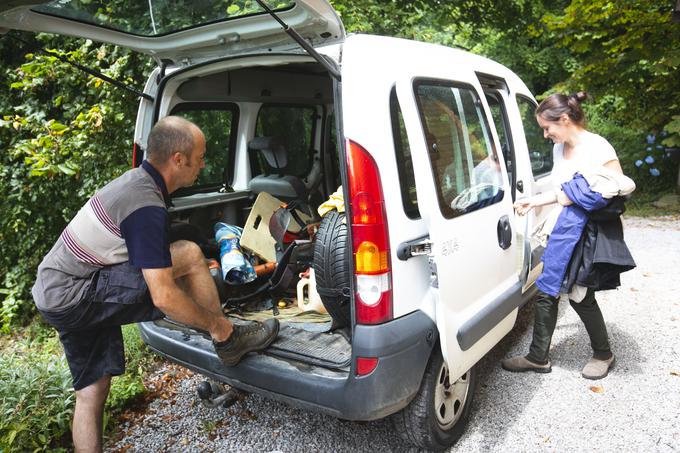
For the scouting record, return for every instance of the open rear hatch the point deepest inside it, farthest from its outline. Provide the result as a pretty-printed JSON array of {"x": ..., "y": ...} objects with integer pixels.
[{"x": 181, "y": 31}]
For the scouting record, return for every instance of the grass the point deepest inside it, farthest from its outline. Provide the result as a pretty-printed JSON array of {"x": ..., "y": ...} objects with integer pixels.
[
  {"x": 640, "y": 205},
  {"x": 36, "y": 394}
]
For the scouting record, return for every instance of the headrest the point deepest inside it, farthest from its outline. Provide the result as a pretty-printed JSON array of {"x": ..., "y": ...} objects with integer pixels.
[{"x": 272, "y": 149}]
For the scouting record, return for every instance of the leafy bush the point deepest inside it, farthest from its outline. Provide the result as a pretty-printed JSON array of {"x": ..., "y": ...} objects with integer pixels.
[
  {"x": 63, "y": 135},
  {"x": 638, "y": 157},
  {"x": 36, "y": 394},
  {"x": 36, "y": 397}
]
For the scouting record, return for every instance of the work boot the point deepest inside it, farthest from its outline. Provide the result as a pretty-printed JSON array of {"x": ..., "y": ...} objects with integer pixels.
[
  {"x": 597, "y": 368},
  {"x": 520, "y": 363},
  {"x": 246, "y": 338}
]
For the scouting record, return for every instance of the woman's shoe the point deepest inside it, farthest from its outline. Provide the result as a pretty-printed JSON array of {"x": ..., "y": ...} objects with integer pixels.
[
  {"x": 597, "y": 369},
  {"x": 520, "y": 363}
]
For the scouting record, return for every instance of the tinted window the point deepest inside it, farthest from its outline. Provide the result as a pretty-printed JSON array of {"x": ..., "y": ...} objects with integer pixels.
[
  {"x": 294, "y": 126},
  {"x": 404, "y": 160},
  {"x": 218, "y": 123},
  {"x": 464, "y": 161},
  {"x": 540, "y": 149}
]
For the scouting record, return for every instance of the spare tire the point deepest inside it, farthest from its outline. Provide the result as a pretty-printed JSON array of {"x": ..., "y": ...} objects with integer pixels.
[{"x": 331, "y": 268}]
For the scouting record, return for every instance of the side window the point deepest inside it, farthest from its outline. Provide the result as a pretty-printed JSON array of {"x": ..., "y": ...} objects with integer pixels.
[
  {"x": 464, "y": 161},
  {"x": 218, "y": 123},
  {"x": 500, "y": 119},
  {"x": 294, "y": 125},
  {"x": 404, "y": 160},
  {"x": 540, "y": 149}
]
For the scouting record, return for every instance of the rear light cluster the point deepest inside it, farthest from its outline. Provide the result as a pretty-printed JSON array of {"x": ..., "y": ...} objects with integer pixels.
[{"x": 370, "y": 238}]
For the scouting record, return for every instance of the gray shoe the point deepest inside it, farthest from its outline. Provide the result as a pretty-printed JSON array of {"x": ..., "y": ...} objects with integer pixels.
[
  {"x": 597, "y": 369},
  {"x": 247, "y": 338},
  {"x": 520, "y": 363}
]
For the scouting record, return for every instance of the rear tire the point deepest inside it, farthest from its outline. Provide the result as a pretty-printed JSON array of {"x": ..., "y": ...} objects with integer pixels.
[
  {"x": 331, "y": 267},
  {"x": 437, "y": 416}
]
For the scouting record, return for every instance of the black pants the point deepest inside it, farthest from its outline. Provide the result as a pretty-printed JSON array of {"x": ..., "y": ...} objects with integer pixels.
[{"x": 545, "y": 319}]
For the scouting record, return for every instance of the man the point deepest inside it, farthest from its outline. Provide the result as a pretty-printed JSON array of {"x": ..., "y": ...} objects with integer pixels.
[{"x": 113, "y": 265}]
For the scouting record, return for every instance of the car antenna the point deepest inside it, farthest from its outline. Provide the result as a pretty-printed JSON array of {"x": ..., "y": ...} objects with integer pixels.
[
  {"x": 87, "y": 70},
  {"x": 301, "y": 41}
]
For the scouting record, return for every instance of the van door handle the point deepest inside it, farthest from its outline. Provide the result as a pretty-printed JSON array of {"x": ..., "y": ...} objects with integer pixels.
[
  {"x": 504, "y": 232},
  {"x": 520, "y": 186}
]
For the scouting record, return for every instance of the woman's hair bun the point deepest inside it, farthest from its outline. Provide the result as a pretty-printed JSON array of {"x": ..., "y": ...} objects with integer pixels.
[{"x": 579, "y": 96}]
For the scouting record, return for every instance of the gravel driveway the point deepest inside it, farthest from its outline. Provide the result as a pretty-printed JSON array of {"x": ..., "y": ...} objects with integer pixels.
[{"x": 635, "y": 408}]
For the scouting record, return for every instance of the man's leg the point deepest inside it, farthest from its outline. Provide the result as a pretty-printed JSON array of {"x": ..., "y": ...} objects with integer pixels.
[
  {"x": 88, "y": 414},
  {"x": 192, "y": 275}
]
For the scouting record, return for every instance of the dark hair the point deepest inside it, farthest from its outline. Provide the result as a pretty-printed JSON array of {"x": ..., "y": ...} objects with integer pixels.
[
  {"x": 556, "y": 105},
  {"x": 168, "y": 136}
]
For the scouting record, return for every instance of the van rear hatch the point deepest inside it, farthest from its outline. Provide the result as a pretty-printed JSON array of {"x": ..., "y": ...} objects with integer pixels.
[{"x": 182, "y": 31}]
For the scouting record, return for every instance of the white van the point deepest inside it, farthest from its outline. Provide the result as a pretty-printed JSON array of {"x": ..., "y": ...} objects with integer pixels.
[{"x": 430, "y": 145}]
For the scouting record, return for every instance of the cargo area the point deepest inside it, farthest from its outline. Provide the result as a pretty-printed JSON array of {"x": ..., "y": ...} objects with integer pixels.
[{"x": 271, "y": 161}]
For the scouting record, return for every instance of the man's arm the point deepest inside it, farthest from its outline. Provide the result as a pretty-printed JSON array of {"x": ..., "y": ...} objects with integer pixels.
[{"x": 175, "y": 303}]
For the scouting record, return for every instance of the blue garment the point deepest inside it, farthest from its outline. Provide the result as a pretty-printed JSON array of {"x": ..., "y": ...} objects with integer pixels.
[{"x": 567, "y": 232}]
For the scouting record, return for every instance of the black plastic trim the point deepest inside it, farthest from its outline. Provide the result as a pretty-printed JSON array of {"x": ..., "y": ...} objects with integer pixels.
[
  {"x": 402, "y": 346},
  {"x": 486, "y": 319}
]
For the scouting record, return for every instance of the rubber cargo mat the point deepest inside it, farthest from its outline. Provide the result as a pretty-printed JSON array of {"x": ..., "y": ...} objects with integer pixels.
[{"x": 329, "y": 350}]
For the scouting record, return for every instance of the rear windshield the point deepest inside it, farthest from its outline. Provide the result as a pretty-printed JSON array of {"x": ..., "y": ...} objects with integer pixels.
[{"x": 155, "y": 17}]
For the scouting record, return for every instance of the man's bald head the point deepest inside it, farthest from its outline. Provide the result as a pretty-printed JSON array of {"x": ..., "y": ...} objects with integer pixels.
[{"x": 171, "y": 135}]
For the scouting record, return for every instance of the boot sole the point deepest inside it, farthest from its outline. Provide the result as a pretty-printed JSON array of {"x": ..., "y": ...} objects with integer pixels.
[{"x": 245, "y": 351}]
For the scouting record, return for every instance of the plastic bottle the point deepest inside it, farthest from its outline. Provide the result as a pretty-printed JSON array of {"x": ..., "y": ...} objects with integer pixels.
[
  {"x": 236, "y": 269},
  {"x": 312, "y": 301}
]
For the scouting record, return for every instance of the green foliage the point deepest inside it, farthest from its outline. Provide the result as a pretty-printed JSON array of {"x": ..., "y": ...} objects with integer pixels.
[
  {"x": 625, "y": 48},
  {"x": 63, "y": 135},
  {"x": 36, "y": 398},
  {"x": 36, "y": 394},
  {"x": 139, "y": 360}
]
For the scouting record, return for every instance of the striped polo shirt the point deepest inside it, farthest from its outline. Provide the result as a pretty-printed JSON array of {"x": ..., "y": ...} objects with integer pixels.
[{"x": 127, "y": 220}]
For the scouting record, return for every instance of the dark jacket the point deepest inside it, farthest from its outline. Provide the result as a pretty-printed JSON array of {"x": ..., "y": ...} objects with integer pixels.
[
  {"x": 601, "y": 254},
  {"x": 567, "y": 232}
]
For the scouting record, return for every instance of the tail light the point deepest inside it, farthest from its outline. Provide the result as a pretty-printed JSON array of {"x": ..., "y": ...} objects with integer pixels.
[{"x": 370, "y": 238}]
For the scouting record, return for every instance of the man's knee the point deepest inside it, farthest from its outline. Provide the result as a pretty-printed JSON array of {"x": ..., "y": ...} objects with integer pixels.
[
  {"x": 185, "y": 255},
  {"x": 95, "y": 393}
]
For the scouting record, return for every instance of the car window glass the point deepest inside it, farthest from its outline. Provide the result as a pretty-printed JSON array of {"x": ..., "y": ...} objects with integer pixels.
[
  {"x": 500, "y": 119},
  {"x": 294, "y": 127},
  {"x": 153, "y": 17},
  {"x": 540, "y": 149},
  {"x": 462, "y": 156},
  {"x": 404, "y": 160},
  {"x": 218, "y": 124}
]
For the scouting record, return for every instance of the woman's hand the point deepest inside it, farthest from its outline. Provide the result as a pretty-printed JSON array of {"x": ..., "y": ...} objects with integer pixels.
[{"x": 524, "y": 205}]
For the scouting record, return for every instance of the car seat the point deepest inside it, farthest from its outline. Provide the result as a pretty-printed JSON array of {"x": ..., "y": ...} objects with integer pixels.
[{"x": 279, "y": 185}]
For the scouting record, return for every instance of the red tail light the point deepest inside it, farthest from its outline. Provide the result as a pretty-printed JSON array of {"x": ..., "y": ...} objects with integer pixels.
[
  {"x": 135, "y": 151},
  {"x": 370, "y": 238}
]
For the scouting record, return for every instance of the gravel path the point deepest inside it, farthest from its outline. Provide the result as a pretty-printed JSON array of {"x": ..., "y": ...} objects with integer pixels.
[{"x": 635, "y": 408}]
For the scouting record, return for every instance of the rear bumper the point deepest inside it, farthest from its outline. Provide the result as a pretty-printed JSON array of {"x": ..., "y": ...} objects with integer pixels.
[{"x": 403, "y": 347}]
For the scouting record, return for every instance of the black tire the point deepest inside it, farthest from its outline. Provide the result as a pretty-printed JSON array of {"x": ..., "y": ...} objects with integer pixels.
[
  {"x": 437, "y": 416},
  {"x": 331, "y": 268}
]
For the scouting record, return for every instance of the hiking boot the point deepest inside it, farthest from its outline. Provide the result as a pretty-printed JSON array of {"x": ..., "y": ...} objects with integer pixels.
[
  {"x": 596, "y": 368},
  {"x": 520, "y": 363},
  {"x": 246, "y": 338}
]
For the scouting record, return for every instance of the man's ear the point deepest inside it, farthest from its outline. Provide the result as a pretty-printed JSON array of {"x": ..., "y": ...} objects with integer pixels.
[
  {"x": 177, "y": 159},
  {"x": 564, "y": 118}
]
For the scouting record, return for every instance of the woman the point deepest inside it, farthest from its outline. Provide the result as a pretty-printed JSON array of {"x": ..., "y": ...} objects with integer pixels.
[{"x": 576, "y": 149}]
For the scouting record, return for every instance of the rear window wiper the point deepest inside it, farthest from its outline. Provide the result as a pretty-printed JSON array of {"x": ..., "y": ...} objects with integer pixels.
[
  {"x": 301, "y": 41},
  {"x": 86, "y": 70}
]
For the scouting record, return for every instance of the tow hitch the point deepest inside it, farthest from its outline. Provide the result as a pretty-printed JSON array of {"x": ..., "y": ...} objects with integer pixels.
[{"x": 213, "y": 394}]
